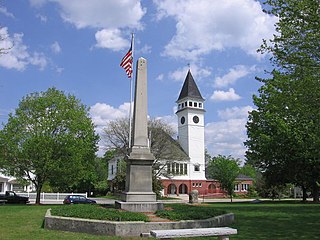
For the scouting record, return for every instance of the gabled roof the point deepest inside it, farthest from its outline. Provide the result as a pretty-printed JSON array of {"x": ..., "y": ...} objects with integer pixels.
[
  {"x": 190, "y": 89},
  {"x": 167, "y": 148},
  {"x": 242, "y": 177}
]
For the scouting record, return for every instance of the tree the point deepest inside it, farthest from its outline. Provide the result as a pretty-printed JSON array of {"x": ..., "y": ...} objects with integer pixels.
[
  {"x": 283, "y": 132},
  {"x": 225, "y": 170},
  {"x": 50, "y": 138}
]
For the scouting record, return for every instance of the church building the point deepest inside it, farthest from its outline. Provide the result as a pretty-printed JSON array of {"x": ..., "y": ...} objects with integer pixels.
[{"x": 183, "y": 177}]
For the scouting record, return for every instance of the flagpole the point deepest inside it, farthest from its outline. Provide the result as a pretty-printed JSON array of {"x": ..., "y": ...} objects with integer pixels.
[{"x": 131, "y": 94}]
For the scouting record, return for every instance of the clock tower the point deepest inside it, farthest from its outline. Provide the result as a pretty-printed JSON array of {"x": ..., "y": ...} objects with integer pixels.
[{"x": 191, "y": 127}]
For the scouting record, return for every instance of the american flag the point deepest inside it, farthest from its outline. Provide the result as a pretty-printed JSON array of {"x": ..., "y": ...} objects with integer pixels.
[{"x": 126, "y": 62}]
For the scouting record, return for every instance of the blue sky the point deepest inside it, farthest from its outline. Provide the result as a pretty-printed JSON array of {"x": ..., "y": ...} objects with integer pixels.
[{"x": 77, "y": 45}]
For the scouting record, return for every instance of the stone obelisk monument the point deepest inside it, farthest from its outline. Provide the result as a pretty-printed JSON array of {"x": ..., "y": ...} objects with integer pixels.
[{"x": 138, "y": 196}]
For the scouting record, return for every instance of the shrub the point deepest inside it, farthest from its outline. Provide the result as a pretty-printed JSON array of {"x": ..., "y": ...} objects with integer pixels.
[
  {"x": 97, "y": 212},
  {"x": 188, "y": 212}
]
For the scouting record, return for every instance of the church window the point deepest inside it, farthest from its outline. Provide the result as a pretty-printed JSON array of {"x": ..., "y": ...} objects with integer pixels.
[
  {"x": 244, "y": 187},
  {"x": 181, "y": 169},
  {"x": 200, "y": 105},
  {"x": 177, "y": 168},
  {"x": 193, "y": 184},
  {"x": 112, "y": 169},
  {"x": 196, "y": 168},
  {"x": 169, "y": 168},
  {"x": 195, "y": 104},
  {"x": 200, "y": 184},
  {"x": 179, "y": 106},
  {"x": 190, "y": 104},
  {"x": 236, "y": 188},
  {"x": 185, "y": 104}
]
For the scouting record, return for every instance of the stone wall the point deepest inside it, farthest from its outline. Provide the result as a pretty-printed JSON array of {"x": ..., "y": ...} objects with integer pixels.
[{"x": 111, "y": 228}]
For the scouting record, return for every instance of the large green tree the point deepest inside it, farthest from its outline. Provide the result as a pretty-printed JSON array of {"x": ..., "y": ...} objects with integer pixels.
[
  {"x": 225, "y": 169},
  {"x": 284, "y": 130},
  {"x": 50, "y": 138}
]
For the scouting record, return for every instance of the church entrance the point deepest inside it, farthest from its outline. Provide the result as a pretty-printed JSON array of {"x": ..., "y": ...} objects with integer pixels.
[
  {"x": 183, "y": 189},
  {"x": 172, "y": 189},
  {"x": 212, "y": 188}
]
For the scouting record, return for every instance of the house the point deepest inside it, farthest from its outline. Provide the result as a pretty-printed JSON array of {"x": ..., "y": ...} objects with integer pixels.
[
  {"x": 181, "y": 175},
  {"x": 8, "y": 183}
]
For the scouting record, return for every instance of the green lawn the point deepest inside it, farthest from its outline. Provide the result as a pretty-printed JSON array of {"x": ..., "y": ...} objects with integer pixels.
[
  {"x": 253, "y": 221},
  {"x": 281, "y": 221}
]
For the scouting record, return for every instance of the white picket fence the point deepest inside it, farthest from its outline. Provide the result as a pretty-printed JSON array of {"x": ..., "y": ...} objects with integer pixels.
[{"x": 49, "y": 196}]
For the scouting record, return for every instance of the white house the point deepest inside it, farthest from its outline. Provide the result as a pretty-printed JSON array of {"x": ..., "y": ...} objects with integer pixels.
[{"x": 8, "y": 183}]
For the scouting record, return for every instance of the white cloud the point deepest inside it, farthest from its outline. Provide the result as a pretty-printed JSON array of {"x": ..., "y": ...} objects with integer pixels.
[
  {"x": 5, "y": 12},
  {"x": 234, "y": 112},
  {"x": 42, "y": 18},
  {"x": 204, "y": 26},
  {"x": 55, "y": 47},
  {"x": 233, "y": 75},
  {"x": 111, "y": 39},
  {"x": 225, "y": 96},
  {"x": 112, "y": 17},
  {"x": 18, "y": 56},
  {"x": 99, "y": 14},
  {"x": 226, "y": 137},
  {"x": 102, "y": 113},
  {"x": 160, "y": 77},
  {"x": 38, "y": 59},
  {"x": 146, "y": 49},
  {"x": 197, "y": 72},
  {"x": 37, "y": 3}
]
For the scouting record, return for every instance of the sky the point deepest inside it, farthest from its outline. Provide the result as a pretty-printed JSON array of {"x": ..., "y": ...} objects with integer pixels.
[{"x": 77, "y": 46}]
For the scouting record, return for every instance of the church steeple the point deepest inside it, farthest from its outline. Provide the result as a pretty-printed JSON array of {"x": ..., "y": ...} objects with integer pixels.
[
  {"x": 190, "y": 114},
  {"x": 190, "y": 89}
]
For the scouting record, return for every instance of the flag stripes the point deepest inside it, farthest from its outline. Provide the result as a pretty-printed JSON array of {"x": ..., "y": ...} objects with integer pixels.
[{"x": 126, "y": 62}]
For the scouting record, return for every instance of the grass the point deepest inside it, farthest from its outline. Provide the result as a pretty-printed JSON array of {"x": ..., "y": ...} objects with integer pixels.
[
  {"x": 26, "y": 222},
  {"x": 275, "y": 221},
  {"x": 284, "y": 220},
  {"x": 168, "y": 198},
  {"x": 94, "y": 211}
]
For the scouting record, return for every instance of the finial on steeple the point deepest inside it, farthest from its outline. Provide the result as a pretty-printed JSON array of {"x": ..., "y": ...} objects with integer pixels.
[{"x": 188, "y": 66}]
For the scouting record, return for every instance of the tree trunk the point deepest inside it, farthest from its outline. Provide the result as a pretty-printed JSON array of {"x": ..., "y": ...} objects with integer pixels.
[
  {"x": 315, "y": 193},
  {"x": 39, "y": 188},
  {"x": 304, "y": 194}
]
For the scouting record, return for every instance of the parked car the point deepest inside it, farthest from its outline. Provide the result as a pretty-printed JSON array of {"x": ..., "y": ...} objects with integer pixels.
[
  {"x": 12, "y": 197},
  {"x": 75, "y": 199}
]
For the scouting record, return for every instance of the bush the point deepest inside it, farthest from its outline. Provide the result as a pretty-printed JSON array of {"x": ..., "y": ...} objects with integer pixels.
[
  {"x": 179, "y": 212},
  {"x": 97, "y": 212}
]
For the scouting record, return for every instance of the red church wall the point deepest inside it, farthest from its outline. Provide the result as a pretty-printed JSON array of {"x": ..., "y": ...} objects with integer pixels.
[
  {"x": 204, "y": 187},
  {"x": 186, "y": 186}
]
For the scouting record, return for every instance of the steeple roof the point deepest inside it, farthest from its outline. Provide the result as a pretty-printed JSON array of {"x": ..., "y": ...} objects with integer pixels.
[{"x": 190, "y": 89}]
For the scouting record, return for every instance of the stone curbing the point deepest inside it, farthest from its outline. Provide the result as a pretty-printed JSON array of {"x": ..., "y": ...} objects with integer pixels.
[{"x": 112, "y": 228}]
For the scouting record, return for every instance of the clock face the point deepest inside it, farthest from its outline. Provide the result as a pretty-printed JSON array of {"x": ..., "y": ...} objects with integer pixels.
[
  {"x": 182, "y": 120},
  {"x": 195, "y": 119}
]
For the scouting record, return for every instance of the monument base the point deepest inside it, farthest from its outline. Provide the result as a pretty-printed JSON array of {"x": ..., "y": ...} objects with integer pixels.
[
  {"x": 139, "y": 197},
  {"x": 139, "y": 206}
]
